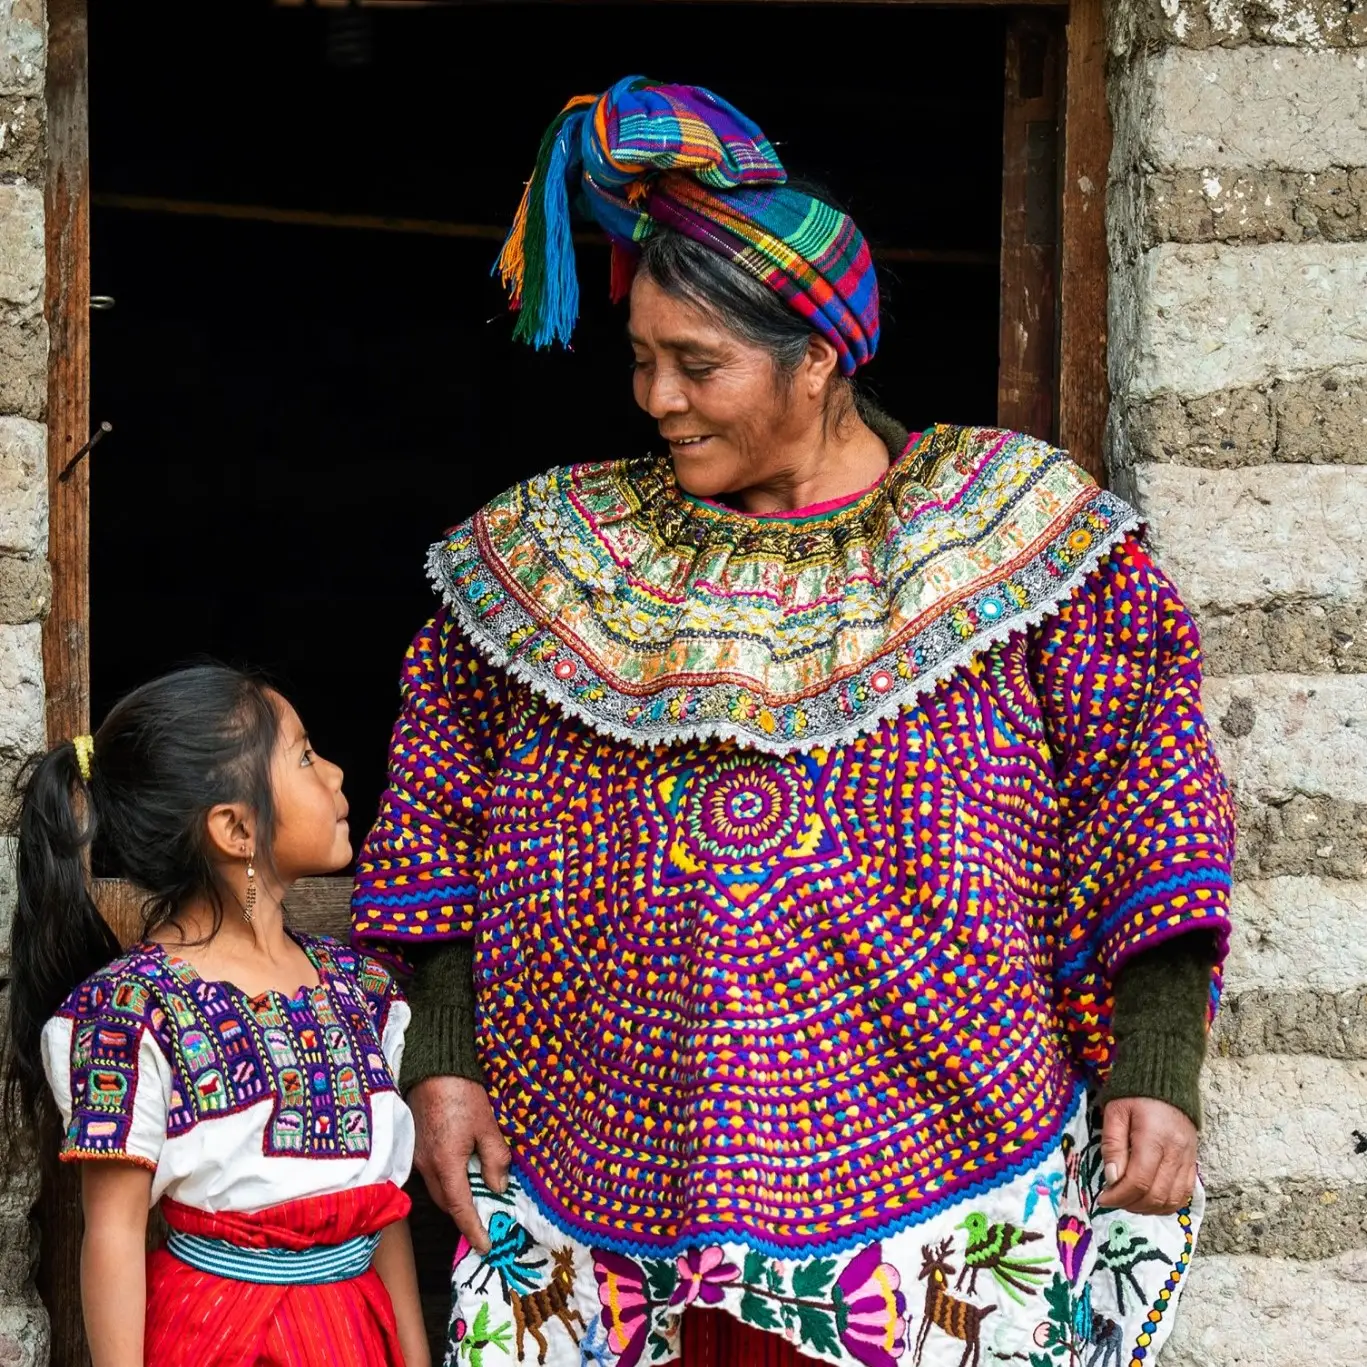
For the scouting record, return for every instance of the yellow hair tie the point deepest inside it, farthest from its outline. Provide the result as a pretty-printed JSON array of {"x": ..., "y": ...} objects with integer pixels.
[{"x": 85, "y": 752}]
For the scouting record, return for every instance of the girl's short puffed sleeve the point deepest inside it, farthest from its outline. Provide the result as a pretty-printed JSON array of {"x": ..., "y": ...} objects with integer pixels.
[{"x": 109, "y": 1073}]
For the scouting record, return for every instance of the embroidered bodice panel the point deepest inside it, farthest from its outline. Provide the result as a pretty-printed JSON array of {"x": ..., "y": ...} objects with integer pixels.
[{"x": 149, "y": 1060}]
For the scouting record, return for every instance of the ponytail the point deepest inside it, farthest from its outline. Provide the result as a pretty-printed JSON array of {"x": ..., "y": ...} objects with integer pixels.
[{"x": 59, "y": 938}]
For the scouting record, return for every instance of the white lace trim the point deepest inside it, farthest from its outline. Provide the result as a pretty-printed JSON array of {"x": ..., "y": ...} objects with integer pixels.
[{"x": 543, "y": 681}]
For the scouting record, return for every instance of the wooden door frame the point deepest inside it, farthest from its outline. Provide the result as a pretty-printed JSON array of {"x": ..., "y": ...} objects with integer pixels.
[
  {"x": 1054, "y": 318},
  {"x": 66, "y": 658}
]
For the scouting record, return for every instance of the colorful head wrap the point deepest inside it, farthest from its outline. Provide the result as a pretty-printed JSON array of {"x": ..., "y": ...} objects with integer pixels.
[{"x": 644, "y": 156}]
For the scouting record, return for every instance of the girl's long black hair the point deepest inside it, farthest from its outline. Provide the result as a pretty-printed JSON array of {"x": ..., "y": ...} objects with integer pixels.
[{"x": 165, "y": 756}]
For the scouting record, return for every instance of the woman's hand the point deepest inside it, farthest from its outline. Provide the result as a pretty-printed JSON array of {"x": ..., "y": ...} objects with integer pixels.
[
  {"x": 454, "y": 1120},
  {"x": 1148, "y": 1149}
]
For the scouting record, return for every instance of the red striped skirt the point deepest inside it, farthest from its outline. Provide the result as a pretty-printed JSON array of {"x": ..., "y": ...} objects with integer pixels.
[{"x": 195, "y": 1319}]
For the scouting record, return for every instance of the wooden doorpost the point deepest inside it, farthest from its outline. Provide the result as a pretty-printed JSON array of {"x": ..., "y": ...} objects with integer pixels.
[
  {"x": 1027, "y": 350},
  {"x": 66, "y": 655},
  {"x": 66, "y": 633},
  {"x": 1084, "y": 394}
]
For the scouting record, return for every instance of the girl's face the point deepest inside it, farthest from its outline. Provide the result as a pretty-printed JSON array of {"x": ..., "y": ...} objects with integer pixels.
[{"x": 311, "y": 831}]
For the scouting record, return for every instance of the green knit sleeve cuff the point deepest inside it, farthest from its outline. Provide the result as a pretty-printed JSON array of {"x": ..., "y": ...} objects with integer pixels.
[
  {"x": 1159, "y": 1023},
  {"x": 1165, "y": 1067},
  {"x": 440, "y": 1040}
]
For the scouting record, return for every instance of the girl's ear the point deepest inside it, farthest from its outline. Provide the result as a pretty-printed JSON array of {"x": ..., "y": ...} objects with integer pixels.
[{"x": 231, "y": 829}]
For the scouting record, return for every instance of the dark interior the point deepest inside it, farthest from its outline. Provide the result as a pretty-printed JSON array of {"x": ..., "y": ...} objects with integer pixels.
[{"x": 298, "y": 410}]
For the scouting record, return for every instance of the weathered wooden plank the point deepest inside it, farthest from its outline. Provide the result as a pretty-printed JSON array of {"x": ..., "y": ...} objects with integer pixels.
[
  {"x": 120, "y": 903},
  {"x": 66, "y": 660},
  {"x": 1084, "y": 394},
  {"x": 321, "y": 906},
  {"x": 1027, "y": 349}
]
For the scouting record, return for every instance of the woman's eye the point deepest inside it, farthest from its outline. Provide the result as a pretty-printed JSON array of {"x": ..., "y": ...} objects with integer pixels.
[
  {"x": 307, "y": 757},
  {"x": 698, "y": 372}
]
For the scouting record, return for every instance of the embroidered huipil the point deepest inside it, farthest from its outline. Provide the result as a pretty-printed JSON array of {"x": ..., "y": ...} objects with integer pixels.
[
  {"x": 267, "y": 1121},
  {"x": 800, "y": 857},
  {"x": 232, "y": 1100}
]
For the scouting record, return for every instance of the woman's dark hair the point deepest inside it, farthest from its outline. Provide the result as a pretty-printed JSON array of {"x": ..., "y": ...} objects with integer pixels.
[
  {"x": 166, "y": 755},
  {"x": 736, "y": 300}
]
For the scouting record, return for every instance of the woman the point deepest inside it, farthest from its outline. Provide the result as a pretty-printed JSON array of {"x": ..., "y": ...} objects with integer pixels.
[{"x": 795, "y": 831}]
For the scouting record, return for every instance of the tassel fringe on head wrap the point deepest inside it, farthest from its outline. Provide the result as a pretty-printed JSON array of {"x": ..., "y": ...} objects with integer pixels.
[{"x": 643, "y": 156}]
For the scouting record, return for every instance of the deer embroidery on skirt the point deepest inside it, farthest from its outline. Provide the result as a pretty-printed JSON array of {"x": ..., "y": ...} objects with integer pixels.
[
  {"x": 534, "y": 1310},
  {"x": 959, "y": 1319}
]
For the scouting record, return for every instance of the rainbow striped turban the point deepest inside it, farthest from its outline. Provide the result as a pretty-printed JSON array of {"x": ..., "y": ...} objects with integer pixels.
[{"x": 644, "y": 156}]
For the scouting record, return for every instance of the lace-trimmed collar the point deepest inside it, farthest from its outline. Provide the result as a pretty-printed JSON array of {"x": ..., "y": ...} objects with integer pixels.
[{"x": 657, "y": 618}]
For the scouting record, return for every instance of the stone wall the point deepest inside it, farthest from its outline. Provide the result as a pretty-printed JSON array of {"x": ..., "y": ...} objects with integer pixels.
[
  {"x": 24, "y": 580},
  {"x": 1237, "y": 212}
]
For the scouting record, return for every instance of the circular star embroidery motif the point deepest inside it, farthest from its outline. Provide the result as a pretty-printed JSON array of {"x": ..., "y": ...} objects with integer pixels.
[{"x": 743, "y": 811}]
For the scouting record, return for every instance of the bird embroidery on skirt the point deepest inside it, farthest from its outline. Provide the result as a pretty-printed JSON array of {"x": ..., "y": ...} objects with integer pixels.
[
  {"x": 1122, "y": 1252},
  {"x": 509, "y": 1246},
  {"x": 990, "y": 1248}
]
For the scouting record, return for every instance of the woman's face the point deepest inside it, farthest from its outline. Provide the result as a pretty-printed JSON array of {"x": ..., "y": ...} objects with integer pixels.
[{"x": 731, "y": 421}]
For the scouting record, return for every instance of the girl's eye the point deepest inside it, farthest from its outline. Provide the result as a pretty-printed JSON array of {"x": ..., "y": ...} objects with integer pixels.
[{"x": 307, "y": 757}]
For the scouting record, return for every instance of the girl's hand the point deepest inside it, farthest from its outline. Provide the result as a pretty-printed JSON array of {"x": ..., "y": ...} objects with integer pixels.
[
  {"x": 454, "y": 1120},
  {"x": 1148, "y": 1149}
]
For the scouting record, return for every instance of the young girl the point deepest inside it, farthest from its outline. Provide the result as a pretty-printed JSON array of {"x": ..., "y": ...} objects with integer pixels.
[{"x": 239, "y": 1074}]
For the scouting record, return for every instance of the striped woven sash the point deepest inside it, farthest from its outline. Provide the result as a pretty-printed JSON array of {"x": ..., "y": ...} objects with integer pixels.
[{"x": 274, "y": 1266}]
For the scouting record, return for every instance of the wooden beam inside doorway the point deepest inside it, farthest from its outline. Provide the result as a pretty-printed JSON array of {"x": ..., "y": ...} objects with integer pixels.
[{"x": 1027, "y": 345}]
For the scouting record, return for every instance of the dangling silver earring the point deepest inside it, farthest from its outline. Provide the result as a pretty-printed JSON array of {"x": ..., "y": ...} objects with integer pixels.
[{"x": 249, "y": 902}]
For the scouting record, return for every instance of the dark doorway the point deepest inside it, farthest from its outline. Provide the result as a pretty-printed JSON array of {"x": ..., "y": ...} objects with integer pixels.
[{"x": 300, "y": 407}]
